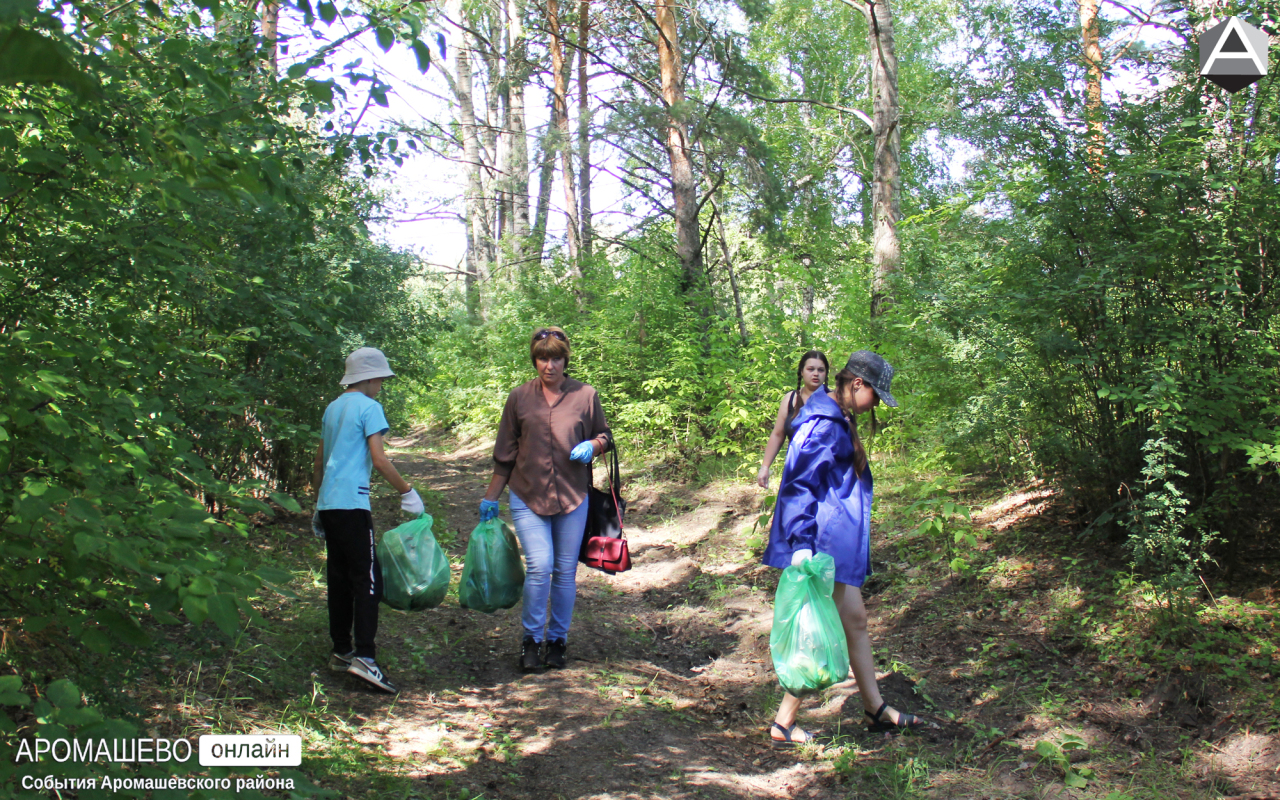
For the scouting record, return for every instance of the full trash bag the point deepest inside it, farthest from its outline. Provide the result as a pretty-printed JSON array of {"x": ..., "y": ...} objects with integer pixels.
[
  {"x": 807, "y": 643},
  {"x": 415, "y": 570},
  {"x": 493, "y": 576}
]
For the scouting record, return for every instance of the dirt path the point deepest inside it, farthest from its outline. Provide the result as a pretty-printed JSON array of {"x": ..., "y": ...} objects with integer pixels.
[
  {"x": 668, "y": 684},
  {"x": 669, "y": 687}
]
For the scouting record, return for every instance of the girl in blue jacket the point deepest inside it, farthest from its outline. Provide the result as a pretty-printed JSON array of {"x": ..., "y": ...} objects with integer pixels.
[{"x": 824, "y": 506}]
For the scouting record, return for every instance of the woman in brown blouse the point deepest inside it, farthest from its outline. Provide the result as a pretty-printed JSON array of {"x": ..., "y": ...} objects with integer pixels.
[{"x": 551, "y": 429}]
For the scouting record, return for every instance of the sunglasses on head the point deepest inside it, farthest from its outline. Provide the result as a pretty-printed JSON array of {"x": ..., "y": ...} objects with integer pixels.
[{"x": 544, "y": 333}]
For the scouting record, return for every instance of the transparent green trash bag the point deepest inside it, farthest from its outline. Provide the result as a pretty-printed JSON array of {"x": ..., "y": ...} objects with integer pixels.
[
  {"x": 807, "y": 643},
  {"x": 493, "y": 576},
  {"x": 415, "y": 570}
]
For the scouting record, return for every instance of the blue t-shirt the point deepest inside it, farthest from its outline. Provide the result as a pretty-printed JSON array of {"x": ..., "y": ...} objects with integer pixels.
[{"x": 348, "y": 423}]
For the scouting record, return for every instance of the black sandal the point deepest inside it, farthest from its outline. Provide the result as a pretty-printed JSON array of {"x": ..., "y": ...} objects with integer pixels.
[
  {"x": 787, "y": 741},
  {"x": 906, "y": 722}
]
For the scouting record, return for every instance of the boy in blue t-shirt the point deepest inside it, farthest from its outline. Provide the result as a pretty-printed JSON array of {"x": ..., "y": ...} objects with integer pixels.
[{"x": 353, "y": 429}]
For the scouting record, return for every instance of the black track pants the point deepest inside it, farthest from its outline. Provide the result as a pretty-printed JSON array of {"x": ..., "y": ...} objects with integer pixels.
[{"x": 355, "y": 579}]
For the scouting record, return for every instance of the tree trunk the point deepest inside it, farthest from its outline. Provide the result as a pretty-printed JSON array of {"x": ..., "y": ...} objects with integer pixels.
[
  {"x": 475, "y": 220},
  {"x": 806, "y": 314},
  {"x": 684, "y": 188},
  {"x": 503, "y": 184},
  {"x": 886, "y": 181},
  {"x": 584, "y": 131},
  {"x": 733, "y": 277},
  {"x": 271, "y": 32},
  {"x": 492, "y": 175},
  {"x": 517, "y": 75},
  {"x": 546, "y": 174},
  {"x": 560, "y": 129},
  {"x": 724, "y": 250},
  {"x": 1093, "y": 82}
]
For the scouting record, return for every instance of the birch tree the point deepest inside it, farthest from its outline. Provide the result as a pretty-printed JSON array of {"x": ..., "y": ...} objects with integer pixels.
[
  {"x": 560, "y": 69},
  {"x": 517, "y": 77},
  {"x": 477, "y": 228},
  {"x": 584, "y": 129},
  {"x": 886, "y": 171}
]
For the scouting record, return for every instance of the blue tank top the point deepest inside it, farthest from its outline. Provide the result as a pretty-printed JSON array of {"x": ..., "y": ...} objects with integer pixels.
[{"x": 792, "y": 410}]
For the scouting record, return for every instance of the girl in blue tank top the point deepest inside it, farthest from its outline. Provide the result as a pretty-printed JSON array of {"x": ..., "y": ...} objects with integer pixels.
[{"x": 811, "y": 375}]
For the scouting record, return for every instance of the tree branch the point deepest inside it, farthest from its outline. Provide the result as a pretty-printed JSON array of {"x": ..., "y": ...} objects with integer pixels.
[
  {"x": 803, "y": 100},
  {"x": 1143, "y": 21}
]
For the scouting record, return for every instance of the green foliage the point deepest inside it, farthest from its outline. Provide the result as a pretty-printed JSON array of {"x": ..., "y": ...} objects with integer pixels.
[
  {"x": 956, "y": 540},
  {"x": 899, "y": 778},
  {"x": 666, "y": 387},
  {"x": 1055, "y": 754},
  {"x": 184, "y": 264},
  {"x": 1052, "y": 316},
  {"x": 1161, "y": 537},
  {"x": 29, "y": 57}
]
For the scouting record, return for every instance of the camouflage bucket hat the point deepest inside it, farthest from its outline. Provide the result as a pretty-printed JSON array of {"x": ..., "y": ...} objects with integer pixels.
[{"x": 875, "y": 371}]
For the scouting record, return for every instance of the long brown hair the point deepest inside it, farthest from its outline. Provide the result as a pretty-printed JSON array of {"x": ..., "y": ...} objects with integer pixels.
[{"x": 844, "y": 380}]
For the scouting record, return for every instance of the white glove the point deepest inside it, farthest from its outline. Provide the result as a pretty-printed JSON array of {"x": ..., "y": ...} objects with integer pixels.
[
  {"x": 801, "y": 556},
  {"x": 410, "y": 503}
]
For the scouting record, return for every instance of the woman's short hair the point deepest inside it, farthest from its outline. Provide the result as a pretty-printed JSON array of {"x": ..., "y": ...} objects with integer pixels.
[{"x": 549, "y": 342}]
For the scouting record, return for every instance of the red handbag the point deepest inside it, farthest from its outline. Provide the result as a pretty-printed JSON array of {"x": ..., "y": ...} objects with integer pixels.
[
  {"x": 604, "y": 547},
  {"x": 607, "y": 554}
]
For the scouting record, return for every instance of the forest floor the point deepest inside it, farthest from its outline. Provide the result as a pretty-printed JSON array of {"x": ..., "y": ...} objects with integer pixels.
[{"x": 1036, "y": 675}]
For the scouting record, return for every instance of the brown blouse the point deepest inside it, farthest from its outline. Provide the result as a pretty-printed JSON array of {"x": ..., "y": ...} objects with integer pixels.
[{"x": 534, "y": 441}]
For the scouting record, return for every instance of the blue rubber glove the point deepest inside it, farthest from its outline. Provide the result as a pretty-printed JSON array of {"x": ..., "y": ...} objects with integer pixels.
[
  {"x": 488, "y": 510},
  {"x": 317, "y": 528},
  {"x": 583, "y": 453}
]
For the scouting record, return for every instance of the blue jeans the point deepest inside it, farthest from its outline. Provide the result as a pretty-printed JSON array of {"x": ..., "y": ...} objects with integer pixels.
[{"x": 551, "y": 546}]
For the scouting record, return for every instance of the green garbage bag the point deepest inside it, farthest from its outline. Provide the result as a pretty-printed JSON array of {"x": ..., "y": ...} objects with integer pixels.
[
  {"x": 493, "y": 576},
  {"x": 807, "y": 642},
  {"x": 415, "y": 570}
]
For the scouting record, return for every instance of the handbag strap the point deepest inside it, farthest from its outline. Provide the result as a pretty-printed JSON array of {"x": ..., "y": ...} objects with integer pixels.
[
  {"x": 611, "y": 466},
  {"x": 615, "y": 480}
]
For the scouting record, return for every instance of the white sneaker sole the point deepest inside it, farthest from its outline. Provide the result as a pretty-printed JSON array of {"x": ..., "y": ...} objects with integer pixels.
[{"x": 376, "y": 680}]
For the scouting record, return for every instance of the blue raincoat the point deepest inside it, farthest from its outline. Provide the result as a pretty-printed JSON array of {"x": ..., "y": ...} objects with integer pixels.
[{"x": 823, "y": 505}]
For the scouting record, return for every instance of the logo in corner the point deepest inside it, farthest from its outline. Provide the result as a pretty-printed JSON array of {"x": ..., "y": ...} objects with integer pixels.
[{"x": 1233, "y": 54}]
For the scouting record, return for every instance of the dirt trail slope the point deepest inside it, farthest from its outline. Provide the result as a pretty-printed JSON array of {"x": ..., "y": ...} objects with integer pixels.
[
  {"x": 667, "y": 683},
  {"x": 669, "y": 687}
]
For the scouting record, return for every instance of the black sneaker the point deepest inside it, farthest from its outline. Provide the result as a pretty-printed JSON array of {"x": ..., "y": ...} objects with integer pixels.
[
  {"x": 555, "y": 654},
  {"x": 530, "y": 661},
  {"x": 341, "y": 662},
  {"x": 366, "y": 668}
]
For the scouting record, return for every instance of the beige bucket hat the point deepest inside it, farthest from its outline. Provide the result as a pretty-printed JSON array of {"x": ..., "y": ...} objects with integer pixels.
[{"x": 366, "y": 363}]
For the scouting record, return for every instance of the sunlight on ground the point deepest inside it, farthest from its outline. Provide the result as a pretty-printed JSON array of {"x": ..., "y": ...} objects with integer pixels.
[
  {"x": 1014, "y": 509},
  {"x": 1242, "y": 754}
]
